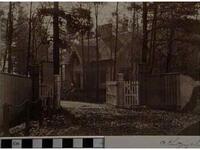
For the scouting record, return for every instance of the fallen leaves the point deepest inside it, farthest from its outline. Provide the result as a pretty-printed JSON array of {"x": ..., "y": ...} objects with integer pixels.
[{"x": 108, "y": 120}]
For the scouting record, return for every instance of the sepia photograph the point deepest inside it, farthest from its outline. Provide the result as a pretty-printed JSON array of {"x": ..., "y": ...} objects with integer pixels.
[{"x": 99, "y": 68}]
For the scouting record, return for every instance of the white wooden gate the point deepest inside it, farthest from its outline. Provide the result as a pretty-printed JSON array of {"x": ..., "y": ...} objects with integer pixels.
[
  {"x": 46, "y": 94},
  {"x": 122, "y": 93},
  {"x": 131, "y": 93}
]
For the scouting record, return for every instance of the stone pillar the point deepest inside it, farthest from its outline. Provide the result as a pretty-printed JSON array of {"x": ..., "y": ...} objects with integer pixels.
[
  {"x": 57, "y": 88},
  {"x": 120, "y": 89},
  {"x": 120, "y": 77}
]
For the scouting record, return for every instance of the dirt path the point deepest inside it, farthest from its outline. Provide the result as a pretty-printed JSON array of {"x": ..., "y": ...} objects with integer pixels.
[
  {"x": 80, "y": 119},
  {"x": 101, "y": 119}
]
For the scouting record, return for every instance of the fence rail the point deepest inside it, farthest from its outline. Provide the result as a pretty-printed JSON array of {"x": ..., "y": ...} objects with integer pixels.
[{"x": 161, "y": 90}]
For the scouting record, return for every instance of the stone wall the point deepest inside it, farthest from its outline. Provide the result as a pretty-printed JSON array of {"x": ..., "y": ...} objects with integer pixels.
[{"x": 14, "y": 90}]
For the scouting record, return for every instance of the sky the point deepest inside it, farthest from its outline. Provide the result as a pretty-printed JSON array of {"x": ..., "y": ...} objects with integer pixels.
[{"x": 105, "y": 10}]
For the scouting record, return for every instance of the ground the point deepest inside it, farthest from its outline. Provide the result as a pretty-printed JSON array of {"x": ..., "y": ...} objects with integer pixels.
[{"x": 101, "y": 119}]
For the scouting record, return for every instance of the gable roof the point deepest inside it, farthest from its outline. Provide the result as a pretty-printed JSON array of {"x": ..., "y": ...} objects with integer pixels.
[
  {"x": 107, "y": 46},
  {"x": 104, "y": 50}
]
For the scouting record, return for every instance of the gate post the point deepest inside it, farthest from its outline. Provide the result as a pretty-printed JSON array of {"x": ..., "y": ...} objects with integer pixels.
[
  {"x": 57, "y": 86},
  {"x": 120, "y": 89}
]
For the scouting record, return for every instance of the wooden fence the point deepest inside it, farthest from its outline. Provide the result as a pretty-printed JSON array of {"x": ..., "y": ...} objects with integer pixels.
[
  {"x": 161, "y": 90},
  {"x": 14, "y": 91},
  {"x": 166, "y": 91}
]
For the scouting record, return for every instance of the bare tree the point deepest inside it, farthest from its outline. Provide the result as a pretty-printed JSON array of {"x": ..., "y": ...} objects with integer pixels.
[
  {"x": 56, "y": 60},
  {"x": 88, "y": 36},
  {"x": 145, "y": 34},
  {"x": 153, "y": 37},
  {"x": 6, "y": 50},
  {"x": 10, "y": 37},
  {"x": 133, "y": 35},
  {"x": 29, "y": 40},
  {"x": 116, "y": 42},
  {"x": 170, "y": 42},
  {"x": 97, "y": 52},
  {"x": 82, "y": 32}
]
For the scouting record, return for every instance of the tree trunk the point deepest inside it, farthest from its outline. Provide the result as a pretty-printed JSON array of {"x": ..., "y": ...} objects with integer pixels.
[
  {"x": 56, "y": 60},
  {"x": 170, "y": 44},
  {"x": 170, "y": 50},
  {"x": 88, "y": 43},
  {"x": 88, "y": 40},
  {"x": 83, "y": 58},
  {"x": 111, "y": 58},
  {"x": 142, "y": 67},
  {"x": 132, "y": 40},
  {"x": 29, "y": 41},
  {"x": 137, "y": 23},
  {"x": 145, "y": 34},
  {"x": 88, "y": 58},
  {"x": 56, "y": 40},
  {"x": 33, "y": 52},
  {"x": 116, "y": 46},
  {"x": 153, "y": 38},
  {"x": 97, "y": 54},
  {"x": 10, "y": 36},
  {"x": 6, "y": 50}
]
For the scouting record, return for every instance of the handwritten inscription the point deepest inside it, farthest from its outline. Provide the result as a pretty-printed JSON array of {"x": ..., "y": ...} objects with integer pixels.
[{"x": 179, "y": 142}]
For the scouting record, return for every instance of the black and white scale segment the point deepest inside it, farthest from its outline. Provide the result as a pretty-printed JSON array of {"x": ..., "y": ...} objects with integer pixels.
[{"x": 52, "y": 143}]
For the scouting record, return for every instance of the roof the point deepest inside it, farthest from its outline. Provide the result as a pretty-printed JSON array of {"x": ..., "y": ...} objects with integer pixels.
[
  {"x": 104, "y": 50},
  {"x": 107, "y": 46}
]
